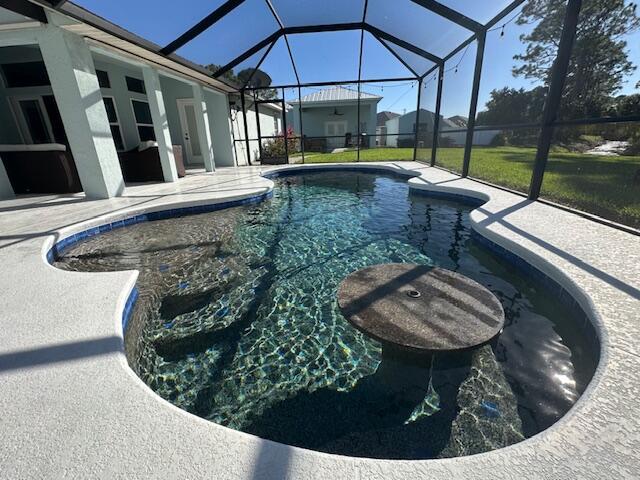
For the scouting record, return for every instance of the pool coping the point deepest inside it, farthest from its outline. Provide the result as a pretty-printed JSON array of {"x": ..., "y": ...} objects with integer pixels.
[{"x": 553, "y": 450}]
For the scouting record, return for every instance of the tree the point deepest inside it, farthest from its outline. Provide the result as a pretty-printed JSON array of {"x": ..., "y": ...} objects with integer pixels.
[
  {"x": 229, "y": 76},
  {"x": 509, "y": 106},
  {"x": 599, "y": 61}
]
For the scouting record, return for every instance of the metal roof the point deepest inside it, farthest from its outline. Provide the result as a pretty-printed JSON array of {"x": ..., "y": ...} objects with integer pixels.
[{"x": 336, "y": 94}]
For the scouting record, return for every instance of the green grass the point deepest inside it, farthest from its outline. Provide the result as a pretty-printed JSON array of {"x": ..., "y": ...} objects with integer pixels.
[{"x": 602, "y": 185}]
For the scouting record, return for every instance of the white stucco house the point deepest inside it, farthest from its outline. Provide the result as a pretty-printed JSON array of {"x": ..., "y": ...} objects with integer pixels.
[
  {"x": 330, "y": 118},
  {"x": 401, "y": 130},
  {"x": 264, "y": 120},
  {"x": 89, "y": 97}
]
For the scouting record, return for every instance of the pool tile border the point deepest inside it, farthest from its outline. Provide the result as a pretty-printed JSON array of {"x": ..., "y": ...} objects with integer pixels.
[
  {"x": 552, "y": 286},
  {"x": 64, "y": 244}
]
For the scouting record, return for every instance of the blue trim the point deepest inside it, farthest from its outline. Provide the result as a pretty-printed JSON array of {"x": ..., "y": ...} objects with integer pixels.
[
  {"x": 128, "y": 308},
  {"x": 456, "y": 197},
  {"x": 62, "y": 245},
  {"x": 288, "y": 172},
  {"x": 553, "y": 286}
]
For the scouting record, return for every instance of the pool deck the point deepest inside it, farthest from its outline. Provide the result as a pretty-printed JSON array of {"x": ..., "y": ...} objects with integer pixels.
[{"x": 72, "y": 408}]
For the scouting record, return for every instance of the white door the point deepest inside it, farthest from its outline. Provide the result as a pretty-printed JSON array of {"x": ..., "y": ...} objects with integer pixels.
[
  {"x": 187, "y": 112},
  {"x": 335, "y": 129}
]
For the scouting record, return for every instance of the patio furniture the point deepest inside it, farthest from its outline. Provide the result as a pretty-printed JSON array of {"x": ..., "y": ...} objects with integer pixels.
[
  {"x": 41, "y": 168},
  {"x": 142, "y": 164},
  {"x": 315, "y": 144}
]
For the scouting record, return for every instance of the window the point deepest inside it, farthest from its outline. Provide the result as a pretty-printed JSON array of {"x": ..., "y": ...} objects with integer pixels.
[
  {"x": 135, "y": 85},
  {"x": 35, "y": 125},
  {"x": 144, "y": 122},
  {"x": 103, "y": 79},
  {"x": 26, "y": 74},
  {"x": 363, "y": 127},
  {"x": 114, "y": 124}
]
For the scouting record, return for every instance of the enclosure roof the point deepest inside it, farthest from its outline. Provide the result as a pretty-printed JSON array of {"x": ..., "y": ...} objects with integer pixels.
[
  {"x": 238, "y": 35},
  {"x": 336, "y": 94}
]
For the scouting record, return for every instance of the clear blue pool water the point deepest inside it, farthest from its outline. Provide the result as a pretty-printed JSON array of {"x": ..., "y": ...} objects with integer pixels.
[{"x": 237, "y": 322}]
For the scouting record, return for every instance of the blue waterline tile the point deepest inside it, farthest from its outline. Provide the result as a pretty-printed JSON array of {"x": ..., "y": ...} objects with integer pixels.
[
  {"x": 554, "y": 287},
  {"x": 128, "y": 308}
]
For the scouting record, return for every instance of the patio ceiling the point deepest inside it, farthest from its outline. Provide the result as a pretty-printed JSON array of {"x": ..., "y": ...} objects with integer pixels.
[{"x": 238, "y": 34}]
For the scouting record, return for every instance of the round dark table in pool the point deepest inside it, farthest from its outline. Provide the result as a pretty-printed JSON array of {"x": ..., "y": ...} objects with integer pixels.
[{"x": 419, "y": 309}]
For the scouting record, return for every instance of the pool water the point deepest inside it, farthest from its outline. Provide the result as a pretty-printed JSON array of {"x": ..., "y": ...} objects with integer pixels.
[{"x": 237, "y": 322}]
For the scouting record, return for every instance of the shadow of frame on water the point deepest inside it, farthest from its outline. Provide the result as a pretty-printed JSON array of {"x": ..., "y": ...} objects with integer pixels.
[{"x": 376, "y": 418}]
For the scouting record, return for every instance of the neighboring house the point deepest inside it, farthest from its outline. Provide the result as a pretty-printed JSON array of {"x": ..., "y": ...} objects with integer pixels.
[
  {"x": 271, "y": 125},
  {"x": 332, "y": 114},
  {"x": 459, "y": 121},
  {"x": 381, "y": 127},
  {"x": 402, "y": 130}
]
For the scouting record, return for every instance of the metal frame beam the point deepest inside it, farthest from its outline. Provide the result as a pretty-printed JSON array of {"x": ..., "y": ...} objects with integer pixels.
[
  {"x": 331, "y": 27},
  {"x": 358, "y": 127},
  {"x": 258, "y": 65},
  {"x": 252, "y": 51},
  {"x": 554, "y": 96},
  {"x": 505, "y": 11},
  {"x": 473, "y": 105},
  {"x": 201, "y": 26},
  {"x": 450, "y": 14},
  {"x": 342, "y": 82},
  {"x": 300, "y": 114},
  {"x": 398, "y": 57},
  {"x": 436, "y": 119},
  {"x": 338, "y": 27},
  {"x": 286, "y": 40},
  {"x": 243, "y": 103},
  {"x": 417, "y": 127},
  {"x": 376, "y": 32}
]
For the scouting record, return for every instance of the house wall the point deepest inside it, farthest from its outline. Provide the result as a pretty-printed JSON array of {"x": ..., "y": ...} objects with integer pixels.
[
  {"x": 10, "y": 133},
  {"x": 220, "y": 126},
  {"x": 270, "y": 125},
  {"x": 405, "y": 126},
  {"x": 314, "y": 118},
  {"x": 172, "y": 90},
  {"x": 480, "y": 139},
  {"x": 393, "y": 126},
  {"x": 117, "y": 71},
  {"x": 122, "y": 96}
]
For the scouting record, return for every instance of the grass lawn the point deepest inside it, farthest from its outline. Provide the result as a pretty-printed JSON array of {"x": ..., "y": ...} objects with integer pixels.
[{"x": 603, "y": 185}]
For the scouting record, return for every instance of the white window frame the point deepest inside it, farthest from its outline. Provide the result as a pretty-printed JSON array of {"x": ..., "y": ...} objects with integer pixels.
[
  {"x": 335, "y": 123},
  {"x": 117, "y": 122},
  {"x": 133, "y": 112},
  {"x": 21, "y": 122}
]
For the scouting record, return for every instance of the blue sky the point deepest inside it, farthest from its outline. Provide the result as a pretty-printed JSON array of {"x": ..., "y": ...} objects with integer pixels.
[{"x": 334, "y": 56}]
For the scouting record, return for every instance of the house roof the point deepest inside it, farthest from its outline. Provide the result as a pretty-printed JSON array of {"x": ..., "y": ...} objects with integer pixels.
[
  {"x": 459, "y": 120},
  {"x": 427, "y": 116},
  {"x": 336, "y": 94},
  {"x": 384, "y": 116}
]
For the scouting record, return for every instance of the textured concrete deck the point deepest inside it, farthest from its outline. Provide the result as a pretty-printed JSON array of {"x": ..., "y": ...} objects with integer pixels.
[{"x": 71, "y": 407}]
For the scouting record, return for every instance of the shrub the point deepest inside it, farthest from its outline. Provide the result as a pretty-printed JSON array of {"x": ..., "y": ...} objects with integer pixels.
[{"x": 275, "y": 147}]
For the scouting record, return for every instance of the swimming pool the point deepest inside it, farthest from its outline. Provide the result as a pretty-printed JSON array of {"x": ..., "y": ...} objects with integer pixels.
[{"x": 237, "y": 322}]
